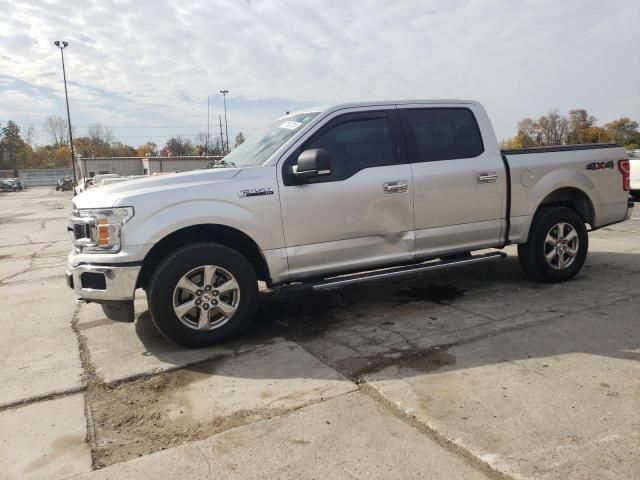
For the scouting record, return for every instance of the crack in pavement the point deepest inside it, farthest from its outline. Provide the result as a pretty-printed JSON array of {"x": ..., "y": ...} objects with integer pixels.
[
  {"x": 30, "y": 268},
  {"x": 434, "y": 435},
  {"x": 90, "y": 378}
]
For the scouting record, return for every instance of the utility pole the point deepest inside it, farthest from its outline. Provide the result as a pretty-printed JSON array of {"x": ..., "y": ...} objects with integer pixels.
[
  {"x": 221, "y": 137},
  {"x": 206, "y": 148},
  {"x": 226, "y": 127},
  {"x": 62, "y": 46}
]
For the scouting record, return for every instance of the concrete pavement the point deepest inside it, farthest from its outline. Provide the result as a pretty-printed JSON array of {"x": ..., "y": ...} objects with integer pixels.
[{"x": 469, "y": 373}]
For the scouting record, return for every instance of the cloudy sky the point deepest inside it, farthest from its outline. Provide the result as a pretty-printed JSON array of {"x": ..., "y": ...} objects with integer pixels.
[{"x": 146, "y": 67}]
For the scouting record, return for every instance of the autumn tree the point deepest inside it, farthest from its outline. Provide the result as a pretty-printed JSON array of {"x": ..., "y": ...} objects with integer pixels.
[
  {"x": 119, "y": 149},
  {"x": 595, "y": 134},
  {"x": 579, "y": 122},
  {"x": 101, "y": 138},
  {"x": 239, "y": 139},
  {"x": 39, "y": 158},
  {"x": 179, "y": 146},
  {"x": 56, "y": 127},
  {"x": 83, "y": 147},
  {"x": 29, "y": 135},
  {"x": 551, "y": 128},
  {"x": 149, "y": 149},
  {"x": 215, "y": 148},
  {"x": 624, "y": 130},
  {"x": 60, "y": 157}
]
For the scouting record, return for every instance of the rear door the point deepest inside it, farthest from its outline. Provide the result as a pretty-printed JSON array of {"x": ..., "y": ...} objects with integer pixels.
[
  {"x": 359, "y": 216},
  {"x": 459, "y": 182}
]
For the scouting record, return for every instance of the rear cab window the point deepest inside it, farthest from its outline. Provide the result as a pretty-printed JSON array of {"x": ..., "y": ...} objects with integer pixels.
[{"x": 436, "y": 134}]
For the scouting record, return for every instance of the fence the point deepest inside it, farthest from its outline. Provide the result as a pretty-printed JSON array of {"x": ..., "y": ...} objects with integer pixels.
[
  {"x": 43, "y": 176},
  {"x": 88, "y": 167}
]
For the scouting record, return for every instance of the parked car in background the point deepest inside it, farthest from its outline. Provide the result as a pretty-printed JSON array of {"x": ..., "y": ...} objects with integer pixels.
[
  {"x": 110, "y": 180},
  {"x": 18, "y": 183},
  {"x": 64, "y": 184},
  {"x": 634, "y": 178},
  {"x": 6, "y": 185},
  {"x": 83, "y": 184},
  {"x": 97, "y": 179}
]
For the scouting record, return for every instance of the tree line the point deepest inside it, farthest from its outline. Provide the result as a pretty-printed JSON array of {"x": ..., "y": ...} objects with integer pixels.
[
  {"x": 575, "y": 128},
  {"x": 18, "y": 150}
]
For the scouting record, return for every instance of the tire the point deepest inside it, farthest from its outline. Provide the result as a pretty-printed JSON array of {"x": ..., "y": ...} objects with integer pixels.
[
  {"x": 562, "y": 264},
  {"x": 204, "y": 323}
]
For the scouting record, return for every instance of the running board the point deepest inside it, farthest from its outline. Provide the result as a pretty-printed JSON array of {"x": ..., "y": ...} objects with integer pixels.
[{"x": 344, "y": 280}]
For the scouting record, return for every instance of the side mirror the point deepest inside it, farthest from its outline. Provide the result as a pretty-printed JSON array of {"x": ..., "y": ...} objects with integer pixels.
[{"x": 312, "y": 163}]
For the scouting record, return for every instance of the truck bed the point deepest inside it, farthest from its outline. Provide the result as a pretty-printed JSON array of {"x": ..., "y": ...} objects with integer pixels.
[{"x": 592, "y": 169}]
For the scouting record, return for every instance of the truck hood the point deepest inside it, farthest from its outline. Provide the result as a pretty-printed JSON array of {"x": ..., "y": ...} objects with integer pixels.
[{"x": 118, "y": 193}]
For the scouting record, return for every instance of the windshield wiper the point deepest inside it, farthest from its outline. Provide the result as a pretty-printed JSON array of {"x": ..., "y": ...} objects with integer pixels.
[{"x": 221, "y": 164}]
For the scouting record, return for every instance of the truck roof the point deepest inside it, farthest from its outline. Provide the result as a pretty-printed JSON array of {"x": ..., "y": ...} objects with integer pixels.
[{"x": 374, "y": 103}]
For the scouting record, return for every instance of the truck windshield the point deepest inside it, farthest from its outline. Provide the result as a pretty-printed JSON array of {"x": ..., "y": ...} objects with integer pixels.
[{"x": 260, "y": 146}]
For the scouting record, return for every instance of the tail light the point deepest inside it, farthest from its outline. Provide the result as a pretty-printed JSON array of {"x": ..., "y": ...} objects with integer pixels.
[{"x": 625, "y": 170}]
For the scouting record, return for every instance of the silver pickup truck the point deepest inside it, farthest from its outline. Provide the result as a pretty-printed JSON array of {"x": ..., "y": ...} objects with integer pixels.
[{"x": 329, "y": 197}]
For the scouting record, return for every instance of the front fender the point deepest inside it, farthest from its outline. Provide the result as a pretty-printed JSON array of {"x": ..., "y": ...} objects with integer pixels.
[{"x": 262, "y": 222}]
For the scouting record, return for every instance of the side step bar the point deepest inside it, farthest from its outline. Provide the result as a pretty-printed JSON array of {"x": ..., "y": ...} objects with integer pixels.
[{"x": 343, "y": 280}]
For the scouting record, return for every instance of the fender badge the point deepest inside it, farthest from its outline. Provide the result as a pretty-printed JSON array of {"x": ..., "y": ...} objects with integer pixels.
[
  {"x": 255, "y": 192},
  {"x": 600, "y": 165}
]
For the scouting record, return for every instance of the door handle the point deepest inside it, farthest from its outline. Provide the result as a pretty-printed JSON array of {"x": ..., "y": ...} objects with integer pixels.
[
  {"x": 395, "y": 187},
  {"x": 487, "y": 177}
]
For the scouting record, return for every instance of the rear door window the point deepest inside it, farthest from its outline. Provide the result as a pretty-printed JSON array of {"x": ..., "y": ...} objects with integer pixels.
[{"x": 435, "y": 134}]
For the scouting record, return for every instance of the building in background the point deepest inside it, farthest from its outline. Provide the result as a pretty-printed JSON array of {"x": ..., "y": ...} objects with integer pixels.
[{"x": 125, "y": 166}]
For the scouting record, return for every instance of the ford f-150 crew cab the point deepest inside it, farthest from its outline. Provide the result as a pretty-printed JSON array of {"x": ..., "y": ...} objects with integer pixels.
[{"x": 328, "y": 197}]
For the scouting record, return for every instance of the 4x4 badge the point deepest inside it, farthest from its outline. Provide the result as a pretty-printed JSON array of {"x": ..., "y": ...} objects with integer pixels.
[
  {"x": 255, "y": 192},
  {"x": 600, "y": 165}
]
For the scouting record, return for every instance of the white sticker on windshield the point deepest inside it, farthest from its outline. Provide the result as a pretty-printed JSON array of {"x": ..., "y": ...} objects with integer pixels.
[{"x": 290, "y": 125}]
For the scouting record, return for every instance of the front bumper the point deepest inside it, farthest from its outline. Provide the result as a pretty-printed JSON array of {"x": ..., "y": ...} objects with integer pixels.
[{"x": 103, "y": 282}]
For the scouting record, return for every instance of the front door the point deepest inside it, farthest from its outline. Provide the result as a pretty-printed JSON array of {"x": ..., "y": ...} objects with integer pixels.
[{"x": 359, "y": 216}]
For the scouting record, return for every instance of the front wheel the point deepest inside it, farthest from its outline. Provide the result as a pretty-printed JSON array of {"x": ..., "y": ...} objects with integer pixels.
[
  {"x": 202, "y": 294},
  {"x": 557, "y": 245}
]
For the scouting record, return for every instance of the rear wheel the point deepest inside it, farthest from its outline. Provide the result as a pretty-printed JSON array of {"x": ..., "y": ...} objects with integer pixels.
[
  {"x": 202, "y": 294},
  {"x": 557, "y": 246}
]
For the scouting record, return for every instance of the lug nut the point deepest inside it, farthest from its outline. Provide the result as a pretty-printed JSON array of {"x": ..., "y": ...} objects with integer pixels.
[
  {"x": 198, "y": 292},
  {"x": 215, "y": 293},
  {"x": 198, "y": 301},
  {"x": 205, "y": 306},
  {"x": 207, "y": 288},
  {"x": 214, "y": 302}
]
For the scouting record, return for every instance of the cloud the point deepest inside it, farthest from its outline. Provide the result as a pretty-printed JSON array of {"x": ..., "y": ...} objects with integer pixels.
[{"x": 152, "y": 63}]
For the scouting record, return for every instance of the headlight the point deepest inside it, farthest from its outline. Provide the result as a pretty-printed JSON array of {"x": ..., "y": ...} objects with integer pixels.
[{"x": 99, "y": 230}]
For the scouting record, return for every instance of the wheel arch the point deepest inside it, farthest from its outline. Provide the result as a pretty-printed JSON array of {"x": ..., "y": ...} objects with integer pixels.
[
  {"x": 573, "y": 198},
  {"x": 222, "y": 234}
]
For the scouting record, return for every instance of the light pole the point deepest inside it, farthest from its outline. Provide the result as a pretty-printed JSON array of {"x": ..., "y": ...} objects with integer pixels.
[
  {"x": 62, "y": 46},
  {"x": 206, "y": 149},
  {"x": 226, "y": 126}
]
